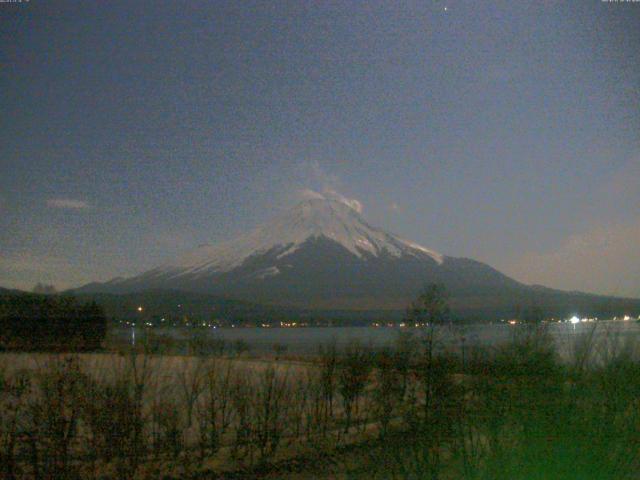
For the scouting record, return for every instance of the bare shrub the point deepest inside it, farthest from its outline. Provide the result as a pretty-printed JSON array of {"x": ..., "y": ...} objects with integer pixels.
[
  {"x": 279, "y": 349},
  {"x": 170, "y": 433},
  {"x": 315, "y": 410},
  {"x": 15, "y": 391},
  {"x": 388, "y": 392},
  {"x": 353, "y": 375},
  {"x": 242, "y": 447},
  {"x": 201, "y": 344},
  {"x": 54, "y": 414},
  {"x": 404, "y": 352},
  {"x": 214, "y": 410},
  {"x": 531, "y": 352},
  {"x": 116, "y": 415},
  {"x": 328, "y": 382},
  {"x": 217, "y": 347},
  {"x": 191, "y": 382},
  {"x": 240, "y": 347},
  {"x": 429, "y": 410},
  {"x": 300, "y": 393},
  {"x": 159, "y": 343},
  {"x": 270, "y": 405}
]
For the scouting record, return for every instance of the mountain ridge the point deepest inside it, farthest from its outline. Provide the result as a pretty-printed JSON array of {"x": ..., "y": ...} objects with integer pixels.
[{"x": 322, "y": 254}]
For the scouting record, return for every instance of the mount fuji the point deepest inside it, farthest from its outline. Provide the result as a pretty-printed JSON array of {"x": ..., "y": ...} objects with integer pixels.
[{"x": 321, "y": 254}]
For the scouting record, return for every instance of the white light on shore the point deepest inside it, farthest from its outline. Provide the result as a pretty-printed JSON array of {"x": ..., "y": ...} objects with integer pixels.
[{"x": 574, "y": 320}]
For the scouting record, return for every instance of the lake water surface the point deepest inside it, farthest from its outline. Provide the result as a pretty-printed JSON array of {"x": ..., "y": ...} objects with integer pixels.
[{"x": 306, "y": 341}]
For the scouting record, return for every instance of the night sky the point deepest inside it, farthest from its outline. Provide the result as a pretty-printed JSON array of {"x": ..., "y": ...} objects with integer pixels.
[{"x": 508, "y": 132}]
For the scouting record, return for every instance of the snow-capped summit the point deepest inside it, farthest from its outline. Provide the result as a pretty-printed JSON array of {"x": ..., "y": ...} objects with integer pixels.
[{"x": 312, "y": 218}]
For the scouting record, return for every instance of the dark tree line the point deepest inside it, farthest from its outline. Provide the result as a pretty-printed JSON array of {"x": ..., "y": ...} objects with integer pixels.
[{"x": 39, "y": 322}]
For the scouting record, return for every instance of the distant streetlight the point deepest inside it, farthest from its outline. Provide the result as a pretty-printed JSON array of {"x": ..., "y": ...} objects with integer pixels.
[
  {"x": 139, "y": 309},
  {"x": 573, "y": 321}
]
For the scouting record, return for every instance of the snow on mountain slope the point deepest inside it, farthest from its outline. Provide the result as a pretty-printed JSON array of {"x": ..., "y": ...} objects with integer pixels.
[{"x": 317, "y": 217}]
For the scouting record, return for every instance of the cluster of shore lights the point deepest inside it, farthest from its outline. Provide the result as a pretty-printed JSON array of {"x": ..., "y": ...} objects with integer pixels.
[
  {"x": 576, "y": 319},
  {"x": 573, "y": 320},
  {"x": 287, "y": 324}
]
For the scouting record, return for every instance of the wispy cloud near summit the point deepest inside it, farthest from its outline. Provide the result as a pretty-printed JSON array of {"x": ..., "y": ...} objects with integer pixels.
[
  {"x": 325, "y": 186},
  {"x": 330, "y": 194}
]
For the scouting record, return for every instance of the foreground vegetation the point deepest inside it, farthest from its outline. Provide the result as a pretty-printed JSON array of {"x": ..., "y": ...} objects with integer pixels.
[{"x": 402, "y": 412}]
